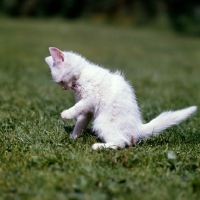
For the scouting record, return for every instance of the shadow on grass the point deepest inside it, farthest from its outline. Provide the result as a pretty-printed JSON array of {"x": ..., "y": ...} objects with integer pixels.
[
  {"x": 69, "y": 129},
  {"x": 86, "y": 133}
]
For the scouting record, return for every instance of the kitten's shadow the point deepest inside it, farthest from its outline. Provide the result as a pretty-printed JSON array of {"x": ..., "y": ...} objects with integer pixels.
[
  {"x": 85, "y": 134},
  {"x": 69, "y": 129}
]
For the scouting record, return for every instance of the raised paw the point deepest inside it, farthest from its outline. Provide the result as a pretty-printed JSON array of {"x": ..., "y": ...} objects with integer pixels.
[{"x": 66, "y": 115}]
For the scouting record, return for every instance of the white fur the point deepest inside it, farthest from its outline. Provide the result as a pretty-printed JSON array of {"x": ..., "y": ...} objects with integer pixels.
[{"x": 109, "y": 99}]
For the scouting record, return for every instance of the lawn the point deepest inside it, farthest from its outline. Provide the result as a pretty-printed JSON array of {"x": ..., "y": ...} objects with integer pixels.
[{"x": 38, "y": 160}]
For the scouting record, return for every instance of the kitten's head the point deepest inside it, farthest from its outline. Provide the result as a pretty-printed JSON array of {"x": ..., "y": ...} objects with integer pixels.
[{"x": 65, "y": 67}]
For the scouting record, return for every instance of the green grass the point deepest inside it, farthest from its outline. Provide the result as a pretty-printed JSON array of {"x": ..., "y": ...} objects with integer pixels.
[{"x": 38, "y": 160}]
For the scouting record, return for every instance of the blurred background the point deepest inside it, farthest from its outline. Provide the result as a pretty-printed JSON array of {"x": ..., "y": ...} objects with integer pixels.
[
  {"x": 154, "y": 42},
  {"x": 180, "y": 15}
]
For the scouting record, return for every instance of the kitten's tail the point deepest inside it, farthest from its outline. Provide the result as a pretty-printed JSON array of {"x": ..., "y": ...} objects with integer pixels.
[{"x": 165, "y": 120}]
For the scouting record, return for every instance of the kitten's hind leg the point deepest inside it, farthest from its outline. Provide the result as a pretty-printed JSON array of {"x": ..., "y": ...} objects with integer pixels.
[
  {"x": 81, "y": 123},
  {"x": 106, "y": 145}
]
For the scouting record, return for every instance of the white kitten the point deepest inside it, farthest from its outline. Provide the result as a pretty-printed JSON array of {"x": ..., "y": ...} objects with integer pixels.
[{"x": 109, "y": 99}]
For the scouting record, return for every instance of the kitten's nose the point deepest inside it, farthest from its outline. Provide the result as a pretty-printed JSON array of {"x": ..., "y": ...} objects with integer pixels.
[{"x": 64, "y": 88}]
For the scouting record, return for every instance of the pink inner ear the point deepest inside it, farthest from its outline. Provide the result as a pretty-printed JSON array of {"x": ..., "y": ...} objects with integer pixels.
[{"x": 56, "y": 54}]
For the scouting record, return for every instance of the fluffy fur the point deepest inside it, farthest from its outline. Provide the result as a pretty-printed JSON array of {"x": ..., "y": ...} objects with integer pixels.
[{"x": 109, "y": 99}]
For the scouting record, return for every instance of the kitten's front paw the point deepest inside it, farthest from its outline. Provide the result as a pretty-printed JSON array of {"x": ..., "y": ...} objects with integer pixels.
[{"x": 66, "y": 115}]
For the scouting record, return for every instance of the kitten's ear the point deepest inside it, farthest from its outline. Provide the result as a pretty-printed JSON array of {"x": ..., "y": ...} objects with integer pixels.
[{"x": 56, "y": 54}]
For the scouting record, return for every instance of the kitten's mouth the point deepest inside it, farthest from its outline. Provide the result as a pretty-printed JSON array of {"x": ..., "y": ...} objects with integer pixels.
[{"x": 73, "y": 87}]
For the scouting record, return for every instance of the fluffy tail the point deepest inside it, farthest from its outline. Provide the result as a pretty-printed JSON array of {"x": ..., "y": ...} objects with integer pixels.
[{"x": 165, "y": 120}]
